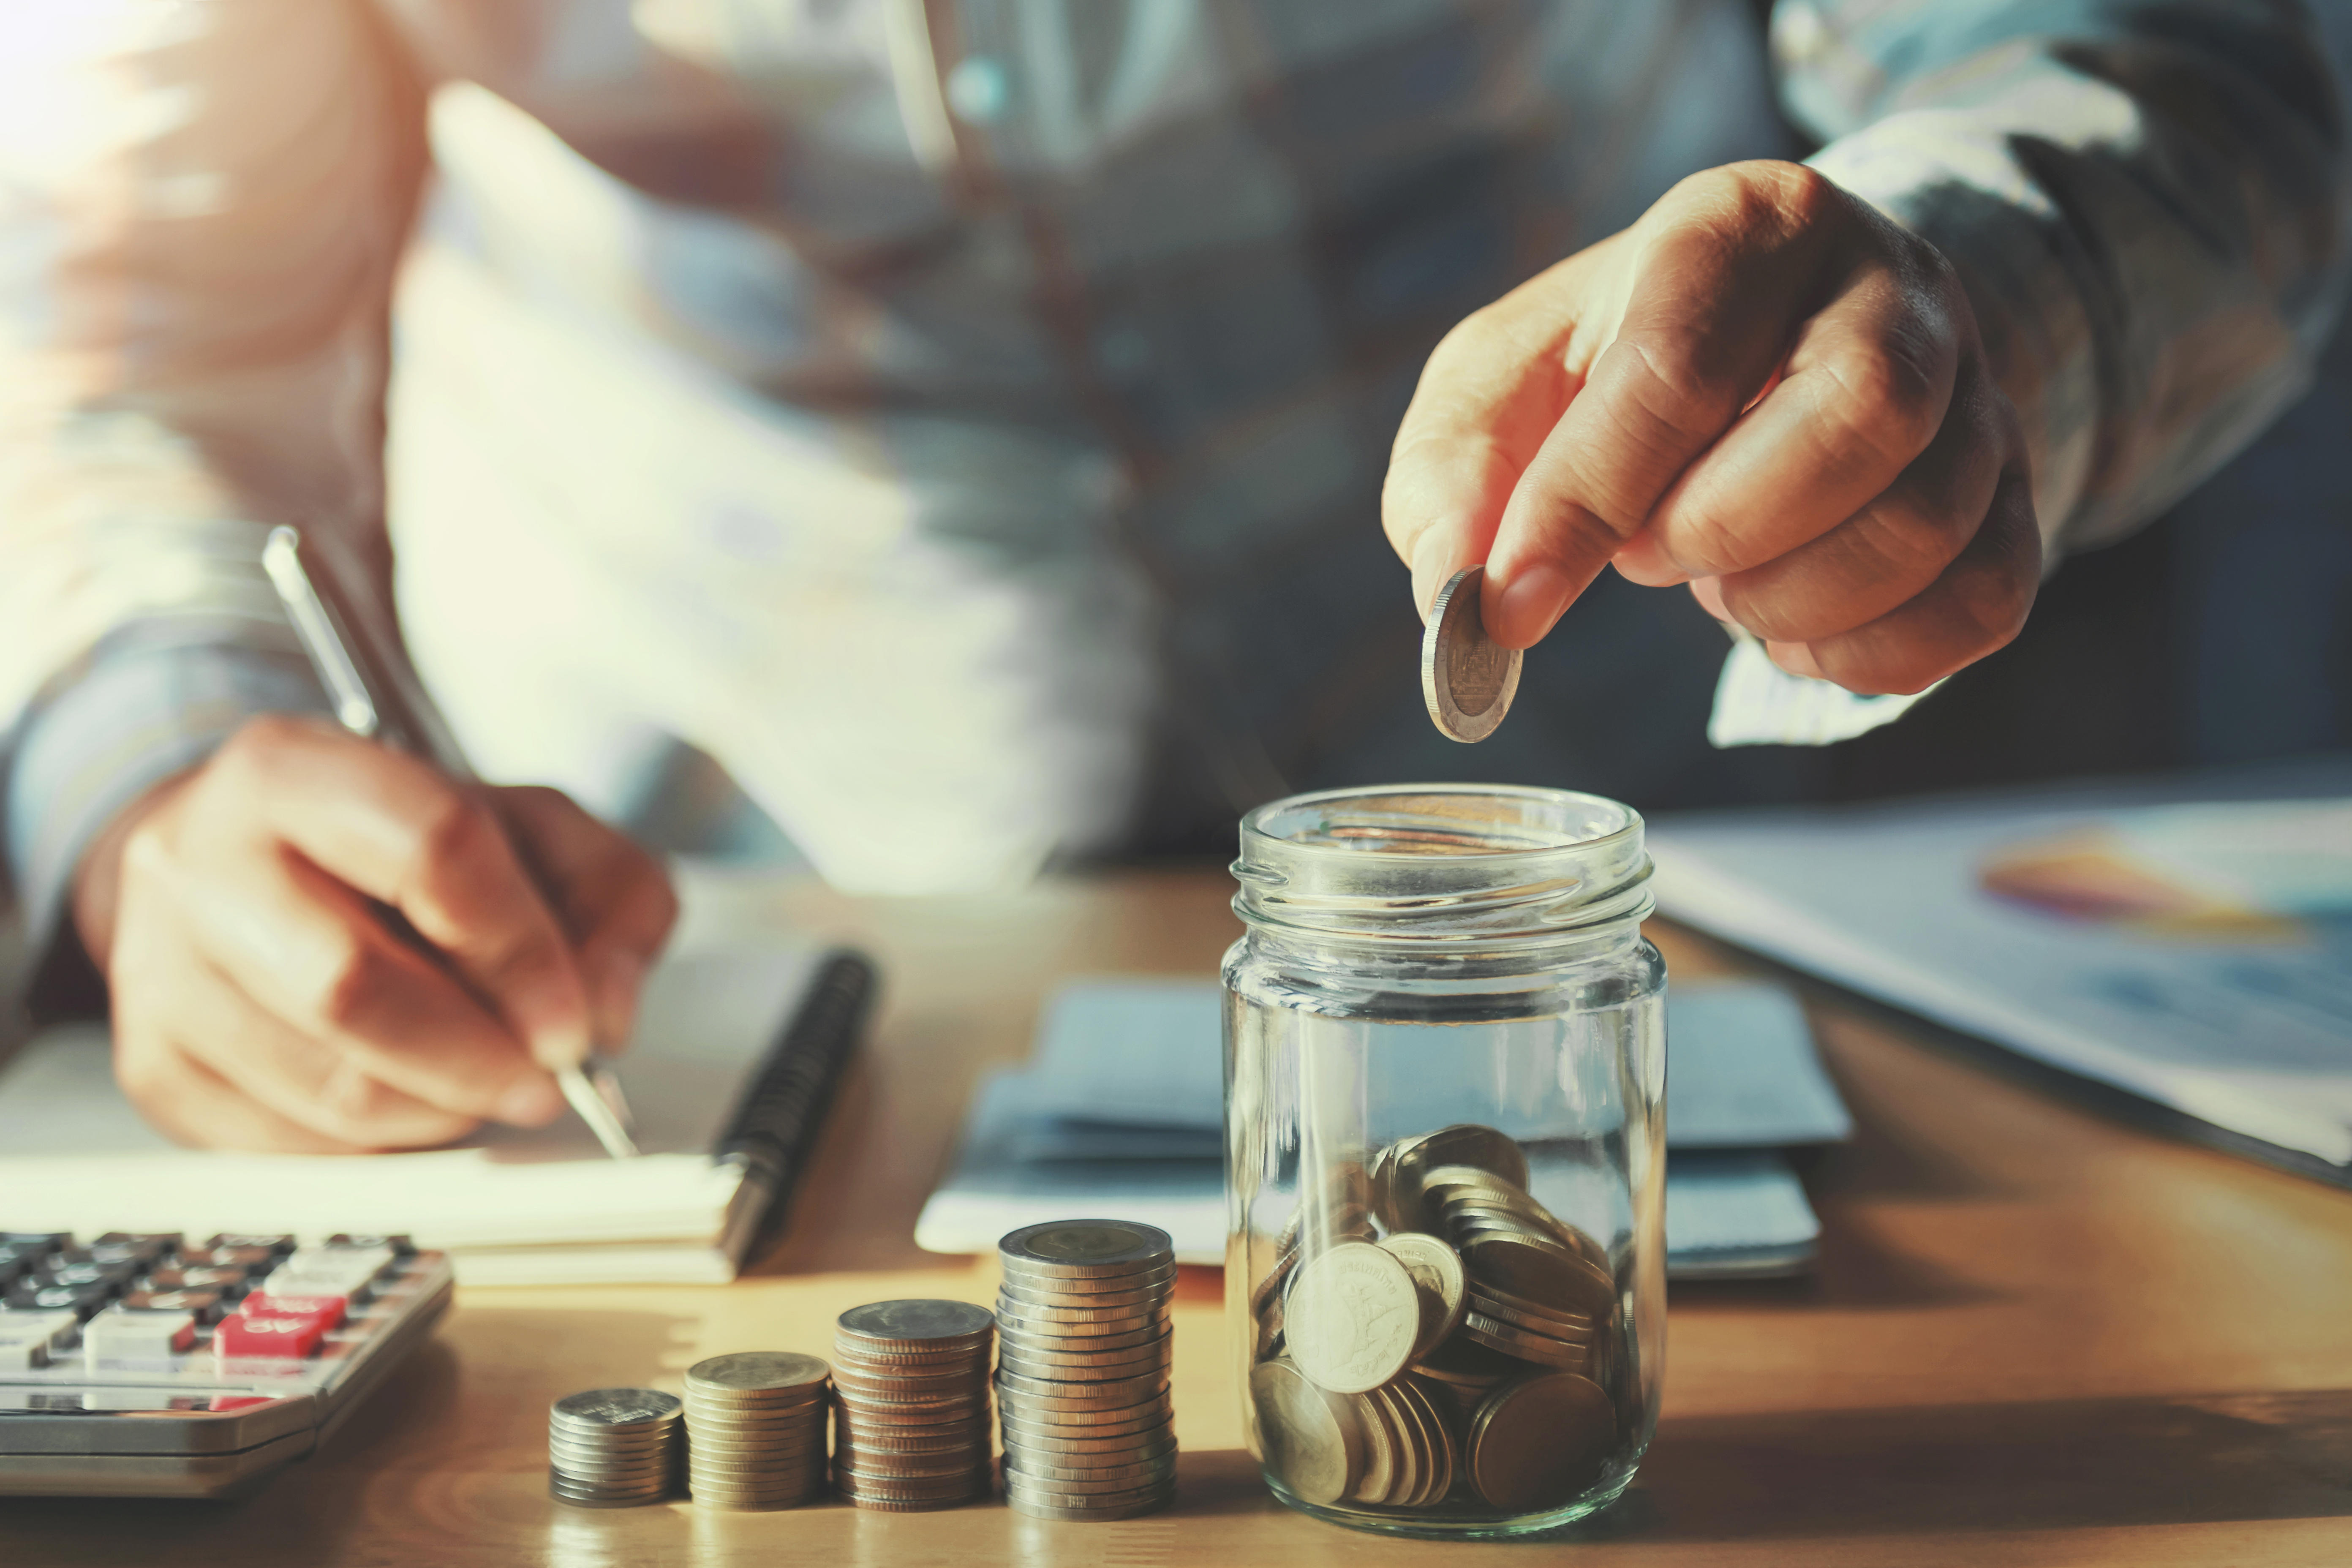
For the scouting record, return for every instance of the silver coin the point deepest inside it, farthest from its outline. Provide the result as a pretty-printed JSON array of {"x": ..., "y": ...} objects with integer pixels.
[
  {"x": 1058, "y": 1496},
  {"x": 1035, "y": 1294},
  {"x": 756, "y": 1454},
  {"x": 1086, "y": 1248},
  {"x": 572, "y": 1486},
  {"x": 1036, "y": 1276},
  {"x": 571, "y": 1456},
  {"x": 1022, "y": 1340},
  {"x": 1108, "y": 1478},
  {"x": 659, "y": 1443},
  {"x": 925, "y": 1321},
  {"x": 1021, "y": 1412},
  {"x": 1467, "y": 677},
  {"x": 608, "y": 1409},
  {"x": 1161, "y": 1433},
  {"x": 598, "y": 1500},
  {"x": 1078, "y": 1323},
  {"x": 757, "y": 1371},
  {"x": 1036, "y": 1510}
]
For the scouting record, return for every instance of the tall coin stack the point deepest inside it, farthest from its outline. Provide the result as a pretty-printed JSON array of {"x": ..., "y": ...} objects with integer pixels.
[
  {"x": 1082, "y": 1369},
  {"x": 755, "y": 1429},
  {"x": 911, "y": 1404},
  {"x": 613, "y": 1448}
]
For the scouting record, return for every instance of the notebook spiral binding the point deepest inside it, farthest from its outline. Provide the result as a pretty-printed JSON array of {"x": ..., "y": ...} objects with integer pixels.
[{"x": 775, "y": 1125}]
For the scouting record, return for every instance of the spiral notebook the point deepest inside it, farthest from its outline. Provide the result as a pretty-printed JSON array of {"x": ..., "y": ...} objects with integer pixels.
[{"x": 734, "y": 1060}]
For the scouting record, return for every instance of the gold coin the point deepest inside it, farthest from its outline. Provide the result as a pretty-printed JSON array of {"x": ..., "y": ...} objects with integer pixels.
[
  {"x": 1538, "y": 1270},
  {"x": 1437, "y": 1275},
  {"x": 1467, "y": 679},
  {"x": 1092, "y": 1248},
  {"x": 1536, "y": 1443},
  {"x": 1352, "y": 1318},
  {"x": 1436, "y": 1426},
  {"x": 1489, "y": 1303},
  {"x": 1309, "y": 1442},
  {"x": 1526, "y": 1345},
  {"x": 780, "y": 1372},
  {"x": 1382, "y": 1446}
]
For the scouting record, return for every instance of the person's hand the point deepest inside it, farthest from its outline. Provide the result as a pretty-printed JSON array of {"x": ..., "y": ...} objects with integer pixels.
[
  {"x": 261, "y": 1002},
  {"x": 1764, "y": 389}
]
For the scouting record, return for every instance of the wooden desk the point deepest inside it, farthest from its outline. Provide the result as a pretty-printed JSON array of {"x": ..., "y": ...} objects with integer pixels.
[{"x": 2036, "y": 1337}]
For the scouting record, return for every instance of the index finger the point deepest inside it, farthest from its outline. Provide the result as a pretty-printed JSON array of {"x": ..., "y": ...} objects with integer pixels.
[
  {"x": 614, "y": 896},
  {"x": 392, "y": 827},
  {"x": 1490, "y": 394},
  {"x": 1717, "y": 280}
]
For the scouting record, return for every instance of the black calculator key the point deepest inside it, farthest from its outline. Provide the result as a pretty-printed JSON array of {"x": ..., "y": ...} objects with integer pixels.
[
  {"x": 68, "y": 1269},
  {"x": 36, "y": 1240},
  {"x": 81, "y": 1300},
  {"x": 252, "y": 1259},
  {"x": 401, "y": 1245},
  {"x": 280, "y": 1244},
  {"x": 121, "y": 1246},
  {"x": 205, "y": 1306},
  {"x": 227, "y": 1281}
]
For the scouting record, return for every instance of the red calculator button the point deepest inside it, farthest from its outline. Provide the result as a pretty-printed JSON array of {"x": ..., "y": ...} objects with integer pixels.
[
  {"x": 281, "y": 1339},
  {"x": 327, "y": 1312}
]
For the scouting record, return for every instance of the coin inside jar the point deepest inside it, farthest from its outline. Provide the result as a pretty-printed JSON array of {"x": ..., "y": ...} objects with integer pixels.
[
  {"x": 1308, "y": 1441},
  {"x": 1436, "y": 1270},
  {"x": 1533, "y": 1443},
  {"x": 1467, "y": 677},
  {"x": 1353, "y": 1318}
]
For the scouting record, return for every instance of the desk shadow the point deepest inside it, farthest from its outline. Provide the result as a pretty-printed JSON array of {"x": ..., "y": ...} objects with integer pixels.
[
  {"x": 1932, "y": 1469},
  {"x": 448, "y": 1454}
]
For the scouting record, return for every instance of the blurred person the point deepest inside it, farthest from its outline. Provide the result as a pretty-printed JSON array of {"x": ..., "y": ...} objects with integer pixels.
[{"x": 967, "y": 422}]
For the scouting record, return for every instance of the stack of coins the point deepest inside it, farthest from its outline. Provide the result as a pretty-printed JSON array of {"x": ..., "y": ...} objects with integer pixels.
[
  {"x": 1426, "y": 1326},
  {"x": 1082, "y": 1369},
  {"x": 910, "y": 1389},
  {"x": 613, "y": 1448},
  {"x": 755, "y": 1429}
]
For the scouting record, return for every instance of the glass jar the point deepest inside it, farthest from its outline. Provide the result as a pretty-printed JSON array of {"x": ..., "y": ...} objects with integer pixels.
[{"x": 1445, "y": 1155}]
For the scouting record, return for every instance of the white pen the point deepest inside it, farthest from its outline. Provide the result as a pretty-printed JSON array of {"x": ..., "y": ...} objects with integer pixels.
[{"x": 383, "y": 709}]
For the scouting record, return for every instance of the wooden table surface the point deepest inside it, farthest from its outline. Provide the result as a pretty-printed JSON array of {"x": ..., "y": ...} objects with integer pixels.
[{"x": 2035, "y": 1336}]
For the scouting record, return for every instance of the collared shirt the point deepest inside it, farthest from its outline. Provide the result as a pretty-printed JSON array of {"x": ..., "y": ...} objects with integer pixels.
[{"x": 961, "y": 418}]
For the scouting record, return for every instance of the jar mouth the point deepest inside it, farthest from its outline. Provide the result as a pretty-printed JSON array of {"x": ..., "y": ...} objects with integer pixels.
[{"x": 1436, "y": 863}]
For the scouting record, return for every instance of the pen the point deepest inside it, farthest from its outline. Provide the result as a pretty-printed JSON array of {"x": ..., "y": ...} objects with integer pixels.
[{"x": 372, "y": 701}]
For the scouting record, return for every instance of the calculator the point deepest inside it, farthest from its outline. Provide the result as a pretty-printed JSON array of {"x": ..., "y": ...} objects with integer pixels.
[{"x": 137, "y": 1365}]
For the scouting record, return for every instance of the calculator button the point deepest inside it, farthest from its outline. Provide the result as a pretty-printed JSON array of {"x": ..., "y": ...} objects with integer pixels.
[
  {"x": 132, "y": 1336},
  {"x": 204, "y": 1306},
  {"x": 70, "y": 1268},
  {"x": 227, "y": 1281},
  {"x": 251, "y": 1258},
  {"x": 398, "y": 1246},
  {"x": 39, "y": 1241},
  {"x": 276, "y": 1245},
  {"x": 139, "y": 1251},
  {"x": 81, "y": 1300},
  {"x": 277, "y": 1339},
  {"x": 326, "y": 1311},
  {"x": 47, "y": 1327}
]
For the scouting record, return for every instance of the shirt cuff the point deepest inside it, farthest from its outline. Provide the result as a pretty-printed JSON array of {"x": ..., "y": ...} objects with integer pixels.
[{"x": 135, "y": 715}]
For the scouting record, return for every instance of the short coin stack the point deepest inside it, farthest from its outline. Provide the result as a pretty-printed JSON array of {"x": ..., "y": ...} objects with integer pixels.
[
  {"x": 755, "y": 1429},
  {"x": 910, "y": 1390},
  {"x": 613, "y": 1448},
  {"x": 1082, "y": 1369}
]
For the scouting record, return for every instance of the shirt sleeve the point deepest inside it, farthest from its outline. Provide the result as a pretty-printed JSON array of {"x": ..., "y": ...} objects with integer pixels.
[
  {"x": 200, "y": 209},
  {"x": 2146, "y": 200}
]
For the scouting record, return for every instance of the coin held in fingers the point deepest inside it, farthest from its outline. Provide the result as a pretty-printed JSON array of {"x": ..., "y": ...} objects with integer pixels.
[{"x": 1467, "y": 677}]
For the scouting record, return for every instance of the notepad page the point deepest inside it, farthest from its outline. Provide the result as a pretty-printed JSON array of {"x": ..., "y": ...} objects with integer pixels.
[{"x": 74, "y": 1155}]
